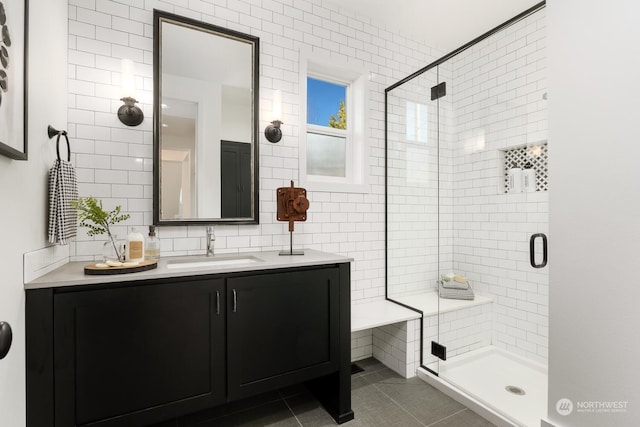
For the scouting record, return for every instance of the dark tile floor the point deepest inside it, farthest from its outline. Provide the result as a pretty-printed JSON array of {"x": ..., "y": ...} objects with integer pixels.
[{"x": 380, "y": 397}]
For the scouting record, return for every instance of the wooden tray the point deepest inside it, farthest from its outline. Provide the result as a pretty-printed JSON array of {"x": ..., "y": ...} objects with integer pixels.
[{"x": 91, "y": 269}]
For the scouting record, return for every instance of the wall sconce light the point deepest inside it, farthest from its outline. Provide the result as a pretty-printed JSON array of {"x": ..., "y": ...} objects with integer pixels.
[
  {"x": 273, "y": 133},
  {"x": 129, "y": 114}
]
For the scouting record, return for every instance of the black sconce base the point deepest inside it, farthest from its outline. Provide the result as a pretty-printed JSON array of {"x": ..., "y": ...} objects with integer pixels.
[
  {"x": 273, "y": 132},
  {"x": 130, "y": 114}
]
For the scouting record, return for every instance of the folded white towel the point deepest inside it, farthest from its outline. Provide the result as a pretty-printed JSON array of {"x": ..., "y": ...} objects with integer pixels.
[
  {"x": 455, "y": 293},
  {"x": 452, "y": 284}
]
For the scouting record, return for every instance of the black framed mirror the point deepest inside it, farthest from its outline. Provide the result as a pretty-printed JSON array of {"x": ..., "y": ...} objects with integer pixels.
[{"x": 205, "y": 161}]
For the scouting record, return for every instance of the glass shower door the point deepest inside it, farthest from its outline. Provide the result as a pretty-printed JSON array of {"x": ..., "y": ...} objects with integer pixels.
[
  {"x": 494, "y": 221},
  {"x": 413, "y": 198},
  {"x": 467, "y": 195}
]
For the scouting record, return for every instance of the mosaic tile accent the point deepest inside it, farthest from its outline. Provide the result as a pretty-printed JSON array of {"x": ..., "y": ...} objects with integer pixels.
[{"x": 537, "y": 155}]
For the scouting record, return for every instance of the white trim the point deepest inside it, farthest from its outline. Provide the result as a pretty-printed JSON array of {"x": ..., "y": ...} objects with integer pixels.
[
  {"x": 357, "y": 82},
  {"x": 326, "y": 130}
]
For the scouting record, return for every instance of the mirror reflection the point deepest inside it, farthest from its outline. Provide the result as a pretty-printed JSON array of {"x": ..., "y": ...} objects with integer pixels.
[{"x": 205, "y": 139}]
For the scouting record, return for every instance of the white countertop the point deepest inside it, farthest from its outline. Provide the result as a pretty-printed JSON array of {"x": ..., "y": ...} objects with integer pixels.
[{"x": 72, "y": 274}]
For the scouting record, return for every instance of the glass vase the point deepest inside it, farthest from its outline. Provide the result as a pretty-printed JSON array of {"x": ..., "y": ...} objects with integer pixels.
[{"x": 113, "y": 249}]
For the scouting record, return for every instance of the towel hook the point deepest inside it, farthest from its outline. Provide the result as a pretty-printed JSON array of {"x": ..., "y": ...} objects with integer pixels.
[
  {"x": 5, "y": 338},
  {"x": 51, "y": 131}
]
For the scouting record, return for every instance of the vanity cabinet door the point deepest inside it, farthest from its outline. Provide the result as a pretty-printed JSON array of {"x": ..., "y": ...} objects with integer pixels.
[
  {"x": 138, "y": 354},
  {"x": 282, "y": 329}
]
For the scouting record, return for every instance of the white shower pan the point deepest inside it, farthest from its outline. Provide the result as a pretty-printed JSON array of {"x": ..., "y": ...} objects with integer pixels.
[{"x": 482, "y": 378}]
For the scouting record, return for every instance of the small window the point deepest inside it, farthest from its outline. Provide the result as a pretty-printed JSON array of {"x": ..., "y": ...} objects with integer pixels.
[
  {"x": 332, "y": 147},
  {"x": 326, "y": 155},
  {"x": 326, "y": 104},
  {"x": 327, "y": 136}
]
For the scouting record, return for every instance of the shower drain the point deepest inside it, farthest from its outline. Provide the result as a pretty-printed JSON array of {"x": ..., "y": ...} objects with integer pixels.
[{"x": 515, "y": 390}]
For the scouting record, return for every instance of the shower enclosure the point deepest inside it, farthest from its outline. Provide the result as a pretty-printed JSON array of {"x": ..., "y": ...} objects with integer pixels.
[{"x": 454, "y": 129}]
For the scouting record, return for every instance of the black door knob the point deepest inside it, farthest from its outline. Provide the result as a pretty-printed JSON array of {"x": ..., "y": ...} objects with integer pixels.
[{"x": 5, "y": 339}]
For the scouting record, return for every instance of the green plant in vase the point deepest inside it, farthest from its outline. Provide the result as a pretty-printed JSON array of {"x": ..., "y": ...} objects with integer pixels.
[{"x": 97, "y": 220}]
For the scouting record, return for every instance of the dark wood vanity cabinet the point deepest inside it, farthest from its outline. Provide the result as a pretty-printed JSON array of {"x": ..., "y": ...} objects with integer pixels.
[{"x": 142, "y": 352}]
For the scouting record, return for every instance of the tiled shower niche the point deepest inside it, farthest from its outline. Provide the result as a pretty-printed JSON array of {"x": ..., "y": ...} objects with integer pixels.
[{"x": 537, "y": 154}]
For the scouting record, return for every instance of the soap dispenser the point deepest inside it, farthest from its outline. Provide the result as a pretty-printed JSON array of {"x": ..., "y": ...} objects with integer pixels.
[
  {"x": 514, "y": 182},
  {"x": 152, "y": 245},
  {"x": 135, "y": 247},
  {"x": 529, "y": 178}
]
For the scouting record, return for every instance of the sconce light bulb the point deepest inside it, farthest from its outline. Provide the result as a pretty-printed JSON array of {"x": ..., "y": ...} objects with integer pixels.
[
  {"x": 128, "y": 78},
  {"x": 277, "y": 105}
]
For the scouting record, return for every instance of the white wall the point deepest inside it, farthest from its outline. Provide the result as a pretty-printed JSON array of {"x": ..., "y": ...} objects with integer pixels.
[
  {"x": 23, "y": 189},
  {"x": 594, "y": 64},
  {"x": 114, "y": 162}
]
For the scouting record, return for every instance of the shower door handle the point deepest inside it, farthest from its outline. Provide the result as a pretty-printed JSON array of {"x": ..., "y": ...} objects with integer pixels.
[{"x": 532, "y": 251}]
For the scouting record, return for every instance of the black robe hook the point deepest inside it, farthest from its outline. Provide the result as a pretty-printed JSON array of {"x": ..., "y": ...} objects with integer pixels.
[{"x": 51, "y": 131}]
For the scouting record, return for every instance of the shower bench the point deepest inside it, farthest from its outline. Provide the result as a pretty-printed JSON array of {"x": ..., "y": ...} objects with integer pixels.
[
  {"x": 391, "y": 328},
  {"x": 394, "y": 330}
]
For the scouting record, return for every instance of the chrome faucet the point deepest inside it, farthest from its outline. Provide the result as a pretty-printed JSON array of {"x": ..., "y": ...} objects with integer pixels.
[{"x": 211, "y": 237}]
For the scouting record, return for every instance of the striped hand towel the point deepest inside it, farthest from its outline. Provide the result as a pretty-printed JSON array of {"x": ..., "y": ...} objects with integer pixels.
[{"x": 63, "y": 188}]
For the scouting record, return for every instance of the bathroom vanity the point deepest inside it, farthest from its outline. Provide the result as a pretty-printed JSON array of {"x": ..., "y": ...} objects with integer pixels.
[{"x": 136, "y": 349}]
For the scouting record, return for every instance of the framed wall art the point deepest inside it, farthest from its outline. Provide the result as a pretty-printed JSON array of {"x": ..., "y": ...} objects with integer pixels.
[{"x": 13, "y": 78}]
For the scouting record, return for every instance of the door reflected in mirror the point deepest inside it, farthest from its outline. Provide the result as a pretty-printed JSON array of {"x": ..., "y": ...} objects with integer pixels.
[{"x": 205, "y": 133}]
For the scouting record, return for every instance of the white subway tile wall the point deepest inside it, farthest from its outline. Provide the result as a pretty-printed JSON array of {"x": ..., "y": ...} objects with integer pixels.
[
  {"x": 114, "y": 163},
  {"x": 397, "y": 346},
  {"x": 361, "y": 344},
  {"x": 460, "y": 331},
  {"x": 412, "y": 187}
]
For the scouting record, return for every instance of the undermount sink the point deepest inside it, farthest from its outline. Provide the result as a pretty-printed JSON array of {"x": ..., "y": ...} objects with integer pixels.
[{"x": 213, "y": 262}]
